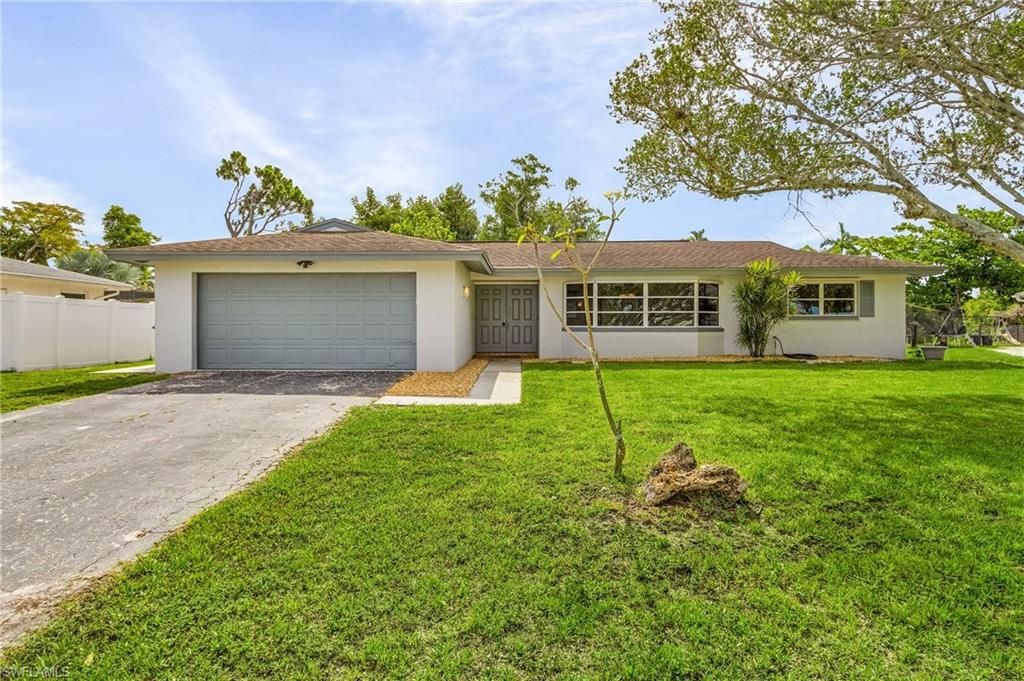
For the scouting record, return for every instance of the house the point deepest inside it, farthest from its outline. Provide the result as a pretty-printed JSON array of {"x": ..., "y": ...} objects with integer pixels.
[
  {"x": 17, "y": 276},
  {"x": 338, "y": 296}
]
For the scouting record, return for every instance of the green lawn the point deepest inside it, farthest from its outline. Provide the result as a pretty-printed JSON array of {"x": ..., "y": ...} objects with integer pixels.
[
  {"x": 491, "y": 542},
  {"x": 25, "y": 389}
]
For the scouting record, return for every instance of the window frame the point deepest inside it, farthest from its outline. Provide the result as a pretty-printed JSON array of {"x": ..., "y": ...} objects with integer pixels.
[
  {"x": 821, "y": 314},
  {"x": 645, "y": 312}
]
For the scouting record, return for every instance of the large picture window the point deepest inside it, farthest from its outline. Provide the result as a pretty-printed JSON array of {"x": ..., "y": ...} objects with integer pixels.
[
  {"x": 645, "y": 304},
  {"x": 824, "y": 299}
]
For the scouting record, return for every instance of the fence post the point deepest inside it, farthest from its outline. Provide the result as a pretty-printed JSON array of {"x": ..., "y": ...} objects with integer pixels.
[
  {"x": 20, "y": 331},
  {"x": 58, "y": 338},
  {"x": 111, "y": 329}
]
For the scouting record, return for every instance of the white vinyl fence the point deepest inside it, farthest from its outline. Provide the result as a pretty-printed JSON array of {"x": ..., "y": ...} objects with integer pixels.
[{"x": 38, "y": 332}]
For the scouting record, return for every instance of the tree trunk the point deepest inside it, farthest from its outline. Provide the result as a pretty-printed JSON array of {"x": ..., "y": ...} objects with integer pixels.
[{"x": 616, "y": 426}]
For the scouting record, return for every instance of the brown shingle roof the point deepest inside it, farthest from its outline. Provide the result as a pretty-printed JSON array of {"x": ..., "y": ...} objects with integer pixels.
[
  {"x": 506, "y": 255},
  {"x": 30, "y": 269},
  {"x": 301, "y": 242},
  {"x": 639, "y": 255}
]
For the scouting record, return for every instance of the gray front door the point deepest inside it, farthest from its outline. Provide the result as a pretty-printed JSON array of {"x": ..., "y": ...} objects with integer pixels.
[
  {"x": 306, "y": 321},
  {"x": 506, "y": 318}
]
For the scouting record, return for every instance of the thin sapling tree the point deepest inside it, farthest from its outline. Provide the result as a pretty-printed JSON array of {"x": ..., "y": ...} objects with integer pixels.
[{"x": 565, "y": 242}]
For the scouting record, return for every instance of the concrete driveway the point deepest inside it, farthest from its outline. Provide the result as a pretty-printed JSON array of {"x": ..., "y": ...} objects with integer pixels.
[{"x": 90, "y": 482}]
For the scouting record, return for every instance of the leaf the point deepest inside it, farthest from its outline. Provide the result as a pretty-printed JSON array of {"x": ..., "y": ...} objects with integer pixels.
[
  {"x": 89, "y": 659},
  {"x": 557, "y": 252}
]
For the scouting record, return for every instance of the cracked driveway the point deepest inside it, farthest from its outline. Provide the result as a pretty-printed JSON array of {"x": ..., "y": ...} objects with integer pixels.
[{"x": 93, "y": 481}]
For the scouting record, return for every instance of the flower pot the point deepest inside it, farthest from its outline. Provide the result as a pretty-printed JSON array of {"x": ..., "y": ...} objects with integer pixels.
[{"x": 933, "y": 351}]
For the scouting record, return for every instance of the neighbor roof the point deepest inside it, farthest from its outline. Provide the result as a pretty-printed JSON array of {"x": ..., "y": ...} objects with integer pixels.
[
  {"x": 21, "y": 268},
  {"x": 641, "y": 255},
  {"x": 496, "y": 256}
]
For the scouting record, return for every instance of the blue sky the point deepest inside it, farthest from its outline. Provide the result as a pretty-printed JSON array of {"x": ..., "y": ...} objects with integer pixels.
[{"x": 136, "y": 105}]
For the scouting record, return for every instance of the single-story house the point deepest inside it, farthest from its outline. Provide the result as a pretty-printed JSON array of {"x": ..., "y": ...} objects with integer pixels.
[
  {"x": 338, "y": 296},
  {"x": 17, "y": 276}
]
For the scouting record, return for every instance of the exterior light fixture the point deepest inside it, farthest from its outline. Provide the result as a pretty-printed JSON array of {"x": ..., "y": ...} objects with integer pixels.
[
  {"x": 465, "y": 292},
  {"x": 305, "y": 264}
]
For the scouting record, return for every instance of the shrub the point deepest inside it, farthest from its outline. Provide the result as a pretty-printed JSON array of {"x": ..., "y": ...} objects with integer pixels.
[{"x": 762, "y": 301}]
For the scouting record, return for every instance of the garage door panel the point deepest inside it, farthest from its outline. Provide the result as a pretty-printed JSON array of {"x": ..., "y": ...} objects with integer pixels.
[
  {"x": 270, "y": 332},
  {"x": 375, "y": 283},
  {"x": 402, "y": 332},
  {"x": 320, "y": 332},
  {"x": 322, "y": 284},
  {"x": 307, "y": 321},
  {"x": 269, "y": 308}
]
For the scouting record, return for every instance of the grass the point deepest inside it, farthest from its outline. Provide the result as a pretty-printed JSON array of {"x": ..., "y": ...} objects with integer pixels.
[
  {"x": 467, "y": 542},
  {"x": 26, "y": 389}
]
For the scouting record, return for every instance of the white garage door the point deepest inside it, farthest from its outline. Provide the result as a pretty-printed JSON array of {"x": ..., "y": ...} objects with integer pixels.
[{"x": 307, "y": 321}]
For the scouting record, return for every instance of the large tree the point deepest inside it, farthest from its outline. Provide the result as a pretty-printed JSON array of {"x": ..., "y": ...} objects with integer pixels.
[
  {"x": 261, "y": 197},
  {"x": 516, "y": 197},
  {"x": 458, "y": 212},
  {"x": 896, "y": 97},
  {"x": 122, "y": 229},
  {"x": 376, "y": 214},
  {"x": 36, "y": 232},
  {"x": 968, "y": 264}
]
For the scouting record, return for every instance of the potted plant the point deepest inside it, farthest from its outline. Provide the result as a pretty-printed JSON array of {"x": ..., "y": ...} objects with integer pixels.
[{"x": 933, "y": 351}]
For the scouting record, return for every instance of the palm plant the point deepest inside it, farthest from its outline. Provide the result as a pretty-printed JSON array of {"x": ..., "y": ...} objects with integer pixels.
[
  {"x": 95, "y": 262},
  {"x": 846, "y": 243},
  {"x": 762, "y": 301},
  {"x": 696, "y": 235}
]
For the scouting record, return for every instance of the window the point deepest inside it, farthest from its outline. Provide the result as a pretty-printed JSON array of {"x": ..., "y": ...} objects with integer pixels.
[
  {"x": 575, "y": 315},
  {"x": 639, "y": 304},
  {"x": 73, "y": 296},
  {"x": 824, "y": 299}
]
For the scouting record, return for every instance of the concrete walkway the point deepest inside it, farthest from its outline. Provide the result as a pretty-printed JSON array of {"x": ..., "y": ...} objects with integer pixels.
[
  {"x": 97, "y": 480},
  {"x": 1017, "y": 351},
  {"x": 144, "y": 369},
  {"x": 499, "y": 383}
]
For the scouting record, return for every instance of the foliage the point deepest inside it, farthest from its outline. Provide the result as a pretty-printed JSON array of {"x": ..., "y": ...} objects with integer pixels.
[
  {"x": 458, "y": 212},
  {"x": 421, "y": 218},
  {"x": 122, "y": 229},
  {"x": 566, "y": 241},
  {"x": 375, "y": 214},
  {"x": 762, "y": 302},
  {"x": 891, "y": 97},
  {"x": 969, "y": 265},
  {"x": 27, "y": 389},
  {"x": 696, "y": 235},
  {"x": 94, "y": 262},
  {"x": 264, "y": 200},
  {"x": 36, "y": 232},
  {"x": 463, "y": 543},
  {"x": 979, "y": 313},
  {"x": 516, "y": 198},
  {"x": 449, "y": 216},
  {"x": 845, "y": 243}
]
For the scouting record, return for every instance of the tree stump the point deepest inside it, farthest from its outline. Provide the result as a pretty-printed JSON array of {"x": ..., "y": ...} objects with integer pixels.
[{"x": 677, "y": 478}]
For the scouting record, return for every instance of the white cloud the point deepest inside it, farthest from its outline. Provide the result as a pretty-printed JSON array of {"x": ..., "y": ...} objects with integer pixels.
[
  {"x": 354, "y": 150},
  {"x": 19, "y": 184}
]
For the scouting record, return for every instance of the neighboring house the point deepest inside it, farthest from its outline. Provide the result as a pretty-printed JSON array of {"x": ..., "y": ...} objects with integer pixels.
[
  {"x": 17, "y": 276},
  {"x": 337, "y": 296}
]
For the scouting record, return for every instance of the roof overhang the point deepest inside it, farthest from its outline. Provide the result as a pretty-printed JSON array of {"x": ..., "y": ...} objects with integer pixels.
[
  {"x": 476, "y": 261},
  {"x": 860, "y": 273},
  {"x": 97, "y": 281}
]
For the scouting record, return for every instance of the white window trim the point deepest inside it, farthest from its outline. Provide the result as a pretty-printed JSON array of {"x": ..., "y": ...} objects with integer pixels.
[
  {"x": 646, "y": 308},
  {"x": 820, "y": 283}
]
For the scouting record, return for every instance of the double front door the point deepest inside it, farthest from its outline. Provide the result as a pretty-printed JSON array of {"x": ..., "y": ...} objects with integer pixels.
[{"x": 506, "y": 318}]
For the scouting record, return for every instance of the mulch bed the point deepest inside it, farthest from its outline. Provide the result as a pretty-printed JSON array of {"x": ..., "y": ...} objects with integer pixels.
[
  {"x": 456, "y": 383},
  {"x": 825, "y": 359}
]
